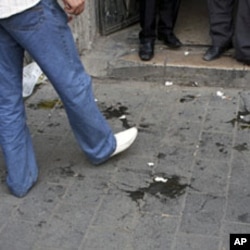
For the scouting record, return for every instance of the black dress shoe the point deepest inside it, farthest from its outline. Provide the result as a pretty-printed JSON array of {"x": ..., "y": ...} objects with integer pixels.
[
  {"x": 214, "y": 52},
  {"x": 146, "y": 51},
  {"x": 170, "y": 40}
]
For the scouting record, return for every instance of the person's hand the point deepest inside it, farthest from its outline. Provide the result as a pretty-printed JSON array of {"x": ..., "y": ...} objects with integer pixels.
[{"x": 74, "y": 7}]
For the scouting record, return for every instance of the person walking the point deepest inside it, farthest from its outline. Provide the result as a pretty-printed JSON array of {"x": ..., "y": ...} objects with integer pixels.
[
  {"x": 41, "y": 28},
  {"x": 157, "y": 16},
  {"x": 221, "y": 27}
]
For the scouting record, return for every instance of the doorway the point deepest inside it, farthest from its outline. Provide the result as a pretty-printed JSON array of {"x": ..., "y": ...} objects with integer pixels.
[
  {"x": 192, "y": 25},
  {"x": 115, "y": 15}
]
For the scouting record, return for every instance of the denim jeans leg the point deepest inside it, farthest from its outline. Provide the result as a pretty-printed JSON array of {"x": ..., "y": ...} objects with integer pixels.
[
  {"x": 15, "y": 138},
  {"x": 43, "y": 31}
]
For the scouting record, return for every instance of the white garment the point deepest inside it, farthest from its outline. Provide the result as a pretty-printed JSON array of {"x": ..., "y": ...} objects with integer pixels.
[{"x": 12, "y": 7}]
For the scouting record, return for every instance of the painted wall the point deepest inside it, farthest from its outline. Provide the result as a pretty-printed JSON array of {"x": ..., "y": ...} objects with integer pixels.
[{"x": 84, "y": 26}]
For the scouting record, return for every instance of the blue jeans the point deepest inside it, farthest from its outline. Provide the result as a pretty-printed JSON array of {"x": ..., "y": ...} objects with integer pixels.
[{"x": 44, "y": 33}]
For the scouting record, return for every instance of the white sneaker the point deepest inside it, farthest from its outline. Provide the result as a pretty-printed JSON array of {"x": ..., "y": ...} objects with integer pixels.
[{"x": 124, "y": 140}]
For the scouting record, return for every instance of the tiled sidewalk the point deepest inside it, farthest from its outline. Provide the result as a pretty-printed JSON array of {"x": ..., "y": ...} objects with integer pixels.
[{"x": 196, "y": 139}]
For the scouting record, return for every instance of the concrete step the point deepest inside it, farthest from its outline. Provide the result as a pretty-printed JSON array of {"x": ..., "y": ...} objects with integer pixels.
[{"x": 116, "y": 57}]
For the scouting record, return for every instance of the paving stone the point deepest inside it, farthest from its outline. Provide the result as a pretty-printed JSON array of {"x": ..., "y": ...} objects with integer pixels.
[
  {"x": 117, "y": 210},
  {"x": 232, "y": 228},
  {"x": 108, "y": 239},
  {"x": 191, "y": 106},
  {"x": 210, "y": 177},
  {"x": 41, "y": 202},
  {"x": 238, "y": 203},
  {"x": 154, "y": 232},
  {"x": 240, "y": 173},
  {"x": 19, "y": 235},
  {"x": 7, "y": 211},
  {"x": 220, "y": 120},
  {"x": 175, "y": 160},
  {"x": 202, "y": 214},
  {"x": 183, "y": 133},
  {"x": 189, "y": 136},
  {"x": 195, "y": 242},
  {"x": 215, "y": 146},
  {"x": 66, "y": 228}
]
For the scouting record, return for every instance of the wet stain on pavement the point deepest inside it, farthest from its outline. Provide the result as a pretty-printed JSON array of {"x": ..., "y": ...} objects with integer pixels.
[
  {"x": 161, "y": 156},
  {"x": 245, "y": 218},
  {"x": 171, "y": 189},
  {"x": 41, "y": 223},
  {"x": 116, "y": 111},
  {"x": 125, "y": 123},
  {"x": 187, "y": 98},
  {"x": 221, "y": 148},
  {"x": 68, "y": 172},
  {"x": 242, "y": 119},
  {"x": 241, "y": 147},
  {"x": 46, "y": 104},
  {"x": 145, "y": 127}
]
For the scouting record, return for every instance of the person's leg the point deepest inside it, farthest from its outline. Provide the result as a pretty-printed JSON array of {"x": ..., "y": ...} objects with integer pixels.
[
  {"x": 15, "y": 138},
  {"x": 148, "y": 20},
  {"x": 147, "y": 33},
  {"x": 242, "y": 32},
  {"x": 221, "y": 27},
  {"x": 221, "y": 21},
  {"x": 168, "y": 12},
  {"x": 44, "y": 33}
]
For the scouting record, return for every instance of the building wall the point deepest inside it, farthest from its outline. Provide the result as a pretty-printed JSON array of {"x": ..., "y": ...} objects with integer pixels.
[{"x": 85, "y": 26}]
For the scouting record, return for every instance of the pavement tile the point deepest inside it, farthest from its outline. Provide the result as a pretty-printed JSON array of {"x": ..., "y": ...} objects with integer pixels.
[
  {"x": 195, "y": 242},
  {"x": 108, "y": 239},
  {"x": 202, "y": 214},
  {"x": 128, "y": 178},
  {"x": 220, "y": 120},
  {"x": 189, "y": 136},
  {"x": 216, "y": 146},
  {"x": 160, "y": 204},
  {"x": 240, "y": 173},
  {"x": 232, "y": 228},
  {"x": 210, "y": 177},
  {"x": 238, "y": 203},
  {"x": 19, "y": 235},
  {"x": 116, "y": 210},
  {"x": 183, "y": 133},
  {"x": 66, "y": 228},
  {"x": 6, "y": 213},
  {"x": 175, "y": 160},
  {"x": 154, "y": 232},
  {"x": 40, "y": 203}
]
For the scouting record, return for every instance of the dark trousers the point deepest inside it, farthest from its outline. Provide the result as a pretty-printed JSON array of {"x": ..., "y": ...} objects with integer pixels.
[
  {"x": 242, "y": 31},
  {"x": 221, "y": 13},
  {"x": 157, "y": 15}
]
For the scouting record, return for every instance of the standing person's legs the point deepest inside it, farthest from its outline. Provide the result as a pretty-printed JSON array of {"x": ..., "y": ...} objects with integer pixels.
[
  {"x": 15, "y": 138},
  {"x": 242, "y": 32},
  {"x": 148, "y": 20},
  {"x": 147, "y": 34},
  {"x": 168, "y": 12},
  {"x": 221, "y": 27},
  {"x": 221, "y": 21},
  {"x": 44, "y": 33}
]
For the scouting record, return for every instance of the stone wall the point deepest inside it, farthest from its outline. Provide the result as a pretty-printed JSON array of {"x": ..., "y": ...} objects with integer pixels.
[{"x": 85, "y": 27}]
